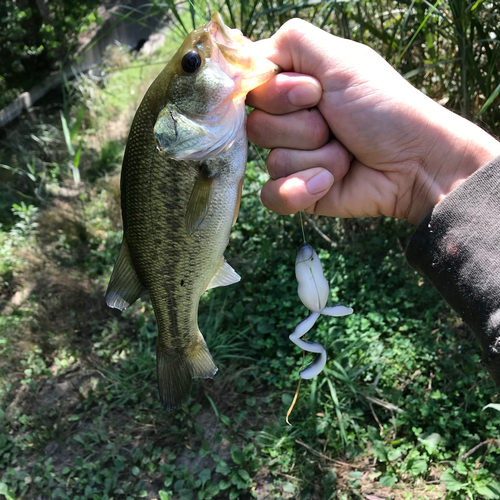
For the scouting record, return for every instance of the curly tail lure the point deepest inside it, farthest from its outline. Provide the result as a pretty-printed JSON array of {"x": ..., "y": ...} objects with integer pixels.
[{"x": 313, "y": 291}]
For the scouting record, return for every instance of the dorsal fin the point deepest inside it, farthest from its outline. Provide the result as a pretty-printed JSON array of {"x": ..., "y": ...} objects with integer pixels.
[
  {"x": 199, "y": 201},
  {"x": 124, "y": 287},
  {"x": 224, "y": 276}
]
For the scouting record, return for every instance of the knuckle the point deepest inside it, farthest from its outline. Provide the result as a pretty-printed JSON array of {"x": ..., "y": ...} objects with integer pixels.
[
  {"x": 292, "y": 197},
  {"x": 287, "y": 205},
  {"x": 250, "y": 125},
  {"x": 345, "y": 161},
  {"x": 278, "y": 162},
  {"x": 275, "y": 199},
  {"x": 345, "y": 157},
  {"x": 272, "y": 200},
  {"x": 311, "y": 209},
  {"x": 366, "y": 50},
  {"x": 340, "y": 153},
  {"x": 317, "y": 129},
  {"x": 256, "y": 123},
  {"x": 294, "y": 25}
]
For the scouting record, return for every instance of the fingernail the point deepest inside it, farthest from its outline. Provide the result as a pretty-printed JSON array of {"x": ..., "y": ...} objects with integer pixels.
[
  {"x": 304, "y": 95},
  {"x": 320, "y": 182}
]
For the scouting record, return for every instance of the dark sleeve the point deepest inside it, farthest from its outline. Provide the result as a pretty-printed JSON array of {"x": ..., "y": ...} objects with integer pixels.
[{"x": 457, "y": 247}]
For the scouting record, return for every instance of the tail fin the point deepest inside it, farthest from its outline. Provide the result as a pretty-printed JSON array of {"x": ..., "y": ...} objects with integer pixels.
[{"x": 176, "y": 370}]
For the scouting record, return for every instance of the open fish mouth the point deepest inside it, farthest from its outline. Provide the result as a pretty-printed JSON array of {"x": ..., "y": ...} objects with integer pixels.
[
  {"x": 224, "y": 36},
  {"x": 240, "y": 53},
  {"x": 235, "y": 54}
]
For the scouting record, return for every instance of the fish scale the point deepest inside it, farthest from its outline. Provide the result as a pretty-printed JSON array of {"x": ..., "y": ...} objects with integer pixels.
[{"x": 181, "y": 183}]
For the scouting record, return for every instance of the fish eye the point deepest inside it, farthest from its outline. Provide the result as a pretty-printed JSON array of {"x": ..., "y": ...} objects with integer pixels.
[{"x": 191, "y": 62}]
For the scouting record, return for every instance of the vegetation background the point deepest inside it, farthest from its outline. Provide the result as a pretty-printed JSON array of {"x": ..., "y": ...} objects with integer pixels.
[{"x": 403, "y": 410}]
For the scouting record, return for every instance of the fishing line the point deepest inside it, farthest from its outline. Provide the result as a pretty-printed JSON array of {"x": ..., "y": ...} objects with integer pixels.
[
  {"x": 264, "y": 166},
  {"x": 302, "y": 226},
  {"x": 296, "y": 392},
  {"x": 303, "y": 352},
  {"x": 300, "y": 213}
]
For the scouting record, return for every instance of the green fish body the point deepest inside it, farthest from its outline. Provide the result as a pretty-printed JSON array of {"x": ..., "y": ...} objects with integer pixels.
[{"x": 181, "y": 187}]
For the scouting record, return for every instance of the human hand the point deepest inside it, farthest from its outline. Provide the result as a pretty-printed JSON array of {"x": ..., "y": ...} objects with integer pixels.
[{"x": 350, "y": 137}]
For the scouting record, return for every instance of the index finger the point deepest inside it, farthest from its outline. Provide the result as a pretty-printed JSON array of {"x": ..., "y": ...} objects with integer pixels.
[
  {"x": 286, "y": 93},
  {"x": 301, "y": 47}
]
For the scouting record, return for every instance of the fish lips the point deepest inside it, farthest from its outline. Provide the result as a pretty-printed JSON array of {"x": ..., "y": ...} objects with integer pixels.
[
  {"x": 223, "y": 35},
  {"x": 251, "y": 69}
]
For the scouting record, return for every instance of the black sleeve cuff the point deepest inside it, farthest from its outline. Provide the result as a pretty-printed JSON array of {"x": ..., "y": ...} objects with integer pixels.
[{"x": 457, "y": 247}]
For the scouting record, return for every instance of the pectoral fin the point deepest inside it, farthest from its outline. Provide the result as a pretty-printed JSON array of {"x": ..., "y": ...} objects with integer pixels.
[
  {"x": 199, "y": 201},
  {"x": 224, "y": 276},
  {"x": 124, "y": 287}
]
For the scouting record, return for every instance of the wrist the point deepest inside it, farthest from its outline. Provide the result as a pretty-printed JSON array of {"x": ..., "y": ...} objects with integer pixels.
[{"x": 457, "y": 149}]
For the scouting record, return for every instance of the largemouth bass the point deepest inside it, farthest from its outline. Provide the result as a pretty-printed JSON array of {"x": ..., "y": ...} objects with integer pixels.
[{"x": 181, "y": 187}]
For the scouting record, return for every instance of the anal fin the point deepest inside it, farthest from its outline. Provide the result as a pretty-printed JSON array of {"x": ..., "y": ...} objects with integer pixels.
[
  {"x": 199, "y": 202},
  {"x": 200, "y": 360},
  {"x": 124, "y": 287},
  {"x": 224, "y": 276}
]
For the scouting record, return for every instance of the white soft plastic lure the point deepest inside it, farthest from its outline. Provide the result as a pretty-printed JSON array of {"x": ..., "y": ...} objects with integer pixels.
[{"x": 313, "y": 291}]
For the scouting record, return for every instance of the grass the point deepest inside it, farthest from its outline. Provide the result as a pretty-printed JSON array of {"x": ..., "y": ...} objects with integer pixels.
[{"x": 400, "y": 410}]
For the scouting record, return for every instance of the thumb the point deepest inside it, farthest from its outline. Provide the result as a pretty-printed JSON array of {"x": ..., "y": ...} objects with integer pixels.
[{"x": 296, "y": 192}]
